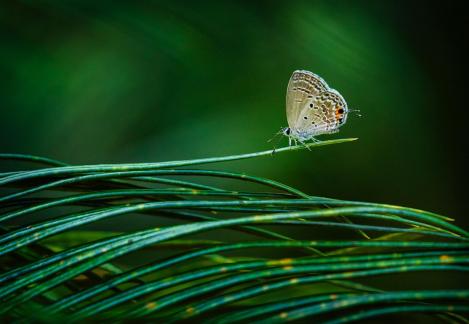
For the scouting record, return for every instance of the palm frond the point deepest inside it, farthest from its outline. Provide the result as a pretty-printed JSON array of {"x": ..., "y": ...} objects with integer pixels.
[{"x": 209, "y": 252}]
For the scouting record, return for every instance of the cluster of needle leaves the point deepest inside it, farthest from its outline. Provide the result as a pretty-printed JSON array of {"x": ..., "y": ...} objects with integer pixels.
[{"x": 160, "y": 241}]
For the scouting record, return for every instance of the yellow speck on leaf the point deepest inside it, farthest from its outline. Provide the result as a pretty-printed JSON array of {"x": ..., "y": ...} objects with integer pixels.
[
  {"x": 280, "y": 261},
  {"x": 343, "y": 303},
  {"x": 446, "y": 258},
  {"x": 150, "y": 306}
]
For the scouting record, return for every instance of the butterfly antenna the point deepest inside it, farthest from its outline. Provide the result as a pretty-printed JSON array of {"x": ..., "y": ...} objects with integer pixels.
[{"x": 356, "y": 111}]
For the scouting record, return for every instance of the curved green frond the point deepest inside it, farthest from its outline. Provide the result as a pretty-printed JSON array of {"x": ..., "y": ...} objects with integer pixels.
[{"x": 153, "y": 241}]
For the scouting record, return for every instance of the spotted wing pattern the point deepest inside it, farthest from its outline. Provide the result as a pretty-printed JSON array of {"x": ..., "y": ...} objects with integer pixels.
[
  {"x": 312, "y": 107},
  {"x": 322, "y": 114},
  {"x": 303, "y": 86}
]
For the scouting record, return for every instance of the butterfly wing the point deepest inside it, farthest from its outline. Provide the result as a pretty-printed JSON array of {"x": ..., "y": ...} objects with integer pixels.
[
  {"x": 322, "y": 114},
  {"x": 302, "y": 87}
]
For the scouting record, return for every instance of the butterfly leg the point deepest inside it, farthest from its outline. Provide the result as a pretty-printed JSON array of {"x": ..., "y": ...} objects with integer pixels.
[
  {"x": 294, "y": 140},
  {"x": 305, "y": 145},
  {"x": 275, "y": 136},
  {"x": 280, "y": 132}
]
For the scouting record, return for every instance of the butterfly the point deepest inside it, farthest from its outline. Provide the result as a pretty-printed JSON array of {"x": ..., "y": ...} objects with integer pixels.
[{"x": 313, "y": 108}]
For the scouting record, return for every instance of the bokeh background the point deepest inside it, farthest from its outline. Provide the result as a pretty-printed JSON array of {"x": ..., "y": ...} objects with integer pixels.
[{"x": 114, "y": 81}]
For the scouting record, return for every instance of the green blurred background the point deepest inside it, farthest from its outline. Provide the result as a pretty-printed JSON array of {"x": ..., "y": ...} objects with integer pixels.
[{"x": 113, "y": 81}]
